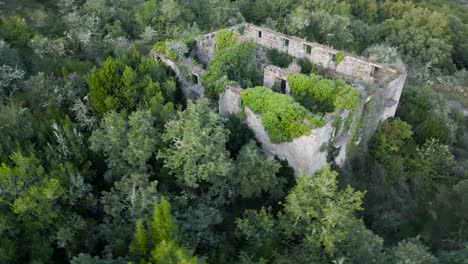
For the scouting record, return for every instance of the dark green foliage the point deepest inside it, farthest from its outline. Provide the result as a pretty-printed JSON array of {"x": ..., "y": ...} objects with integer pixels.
[
  {"x": 306, "y": 66},
  {"x": 280, "y": 59},
  {"x": 127, "y": 83},
  {"x": 283, "y": 119},
  {"x": 237, "y": 64},
  {"x": 322, "y": 95},
  {"x": 239, "y": 135}
]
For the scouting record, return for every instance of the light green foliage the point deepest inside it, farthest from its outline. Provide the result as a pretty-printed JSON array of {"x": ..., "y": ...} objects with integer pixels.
[
  {"x": 196, "y": 152},
  {"x": 423, "y": 35},
  {"x": 16, "y": 31},
  {"x": 282, "y": 118},
  {"x": 323, "y": 95},
  {"x": 237, "y": 64},
  {"x": 317, "y": 211},
  {"x": 224, "y": 39},
  {"x": 256, "y": 173},
  {"x": 163, "y": 245},
  {"x": 412, "y": 251},
  {"x": 339, "y": 57},
  {"x": 127, "y": 83},
  {"x": 139, "y": 247}
]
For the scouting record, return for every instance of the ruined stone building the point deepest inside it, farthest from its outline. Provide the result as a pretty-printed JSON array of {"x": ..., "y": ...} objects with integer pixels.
[{"x": 379, "y": 86}]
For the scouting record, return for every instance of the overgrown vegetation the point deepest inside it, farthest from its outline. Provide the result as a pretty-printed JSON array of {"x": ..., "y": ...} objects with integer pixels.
[
  {"x": 236, "y": 63},
  {"x": 322, "y": 95},
  {"x": 101, "y": 163},
  {"x": 282, "y": 118},
  {"x": 280, "y": 59}
]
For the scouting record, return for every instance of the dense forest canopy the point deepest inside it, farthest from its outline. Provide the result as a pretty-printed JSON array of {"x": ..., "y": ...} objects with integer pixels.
[{"x": 104, "y": 161}]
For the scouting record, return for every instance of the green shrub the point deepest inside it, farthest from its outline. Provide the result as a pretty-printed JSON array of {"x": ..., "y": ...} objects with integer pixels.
[
  {"x": 282, "y": 118},
  {"x": 306, "y": 66},
  {"x": 323, "y": 95},
  {"x": 339, "y": 57},
  {"x": 237, "y": 63},
  {"x": 278, "y": 58},
  {"x": 225, "y": 39}
]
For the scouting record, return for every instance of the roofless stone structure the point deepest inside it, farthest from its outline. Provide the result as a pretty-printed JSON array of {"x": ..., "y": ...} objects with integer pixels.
[{"x": 344, "y": 132}]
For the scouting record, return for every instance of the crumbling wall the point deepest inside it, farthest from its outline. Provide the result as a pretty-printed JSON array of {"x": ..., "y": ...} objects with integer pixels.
[
  {"x": 188, "y": 75},
  {"x": 305, "y": 154},
  {"x": 273, "y": 75},
  {"x": 323, "y": 56},
  {"x": 230, "y": 101}
]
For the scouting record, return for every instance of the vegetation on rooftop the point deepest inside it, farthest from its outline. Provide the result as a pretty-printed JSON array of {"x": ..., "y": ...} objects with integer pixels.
[
  {"x": 322, "y": 95},
  {"x": 282, "y": 118}
]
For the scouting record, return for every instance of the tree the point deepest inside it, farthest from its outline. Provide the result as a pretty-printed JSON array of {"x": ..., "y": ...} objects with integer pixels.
[
  {"x": 318, "y": 213},
  {"x": 258, "y": 233},
  {"x": 423, "y": 35},
  {"x": 412, "y": 251},
  {"x": 36, "y": 200},
  {"x": 127, "y": 144},
  {"x": 237, "y": 64},
  {"x": 16, "y": 31},
  {"x": 432, "y": 165},
  {"x": 257, "y": 173},
  {"x": 225, "y": 39},
  {"x": 195, "y": 155},
  {"x": 163, "y": 243},
  {"x": 196, "y": 152},
  {"x": 16, "y": 130},
  {"x": 127, "y": 83}
]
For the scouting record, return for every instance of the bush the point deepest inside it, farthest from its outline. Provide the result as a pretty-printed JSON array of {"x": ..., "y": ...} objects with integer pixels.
[
  {"x": 237, "y": 63},
  {"x": 282, "y": 118},
  {"x": 339, "y": 57},
  {"x": 323, "y": 95},
  {"x": 280, "y": 59},
  {"x": 225, "y": 39},
  {"x": 306, "y": 66}
]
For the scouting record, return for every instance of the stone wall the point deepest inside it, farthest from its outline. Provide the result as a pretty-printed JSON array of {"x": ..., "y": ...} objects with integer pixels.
[
  {"x": 188, "y": 75},
  {"x": 305, "y": 154},
  {"x": 230, "y": 101},
  {"x": 380, "y": 88}
]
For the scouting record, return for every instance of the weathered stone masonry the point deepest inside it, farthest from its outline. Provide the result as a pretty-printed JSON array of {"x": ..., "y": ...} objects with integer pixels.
[{"x": 380, "y": 88}]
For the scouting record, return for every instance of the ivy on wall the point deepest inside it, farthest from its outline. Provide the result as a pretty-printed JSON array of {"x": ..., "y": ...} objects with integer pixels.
[{"x": 282, "y": 118}]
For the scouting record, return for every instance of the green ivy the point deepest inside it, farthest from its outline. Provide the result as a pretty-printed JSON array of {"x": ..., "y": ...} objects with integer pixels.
[
  {"x": 322, "y": 95},
  {"x": 282, "y": 118}
]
